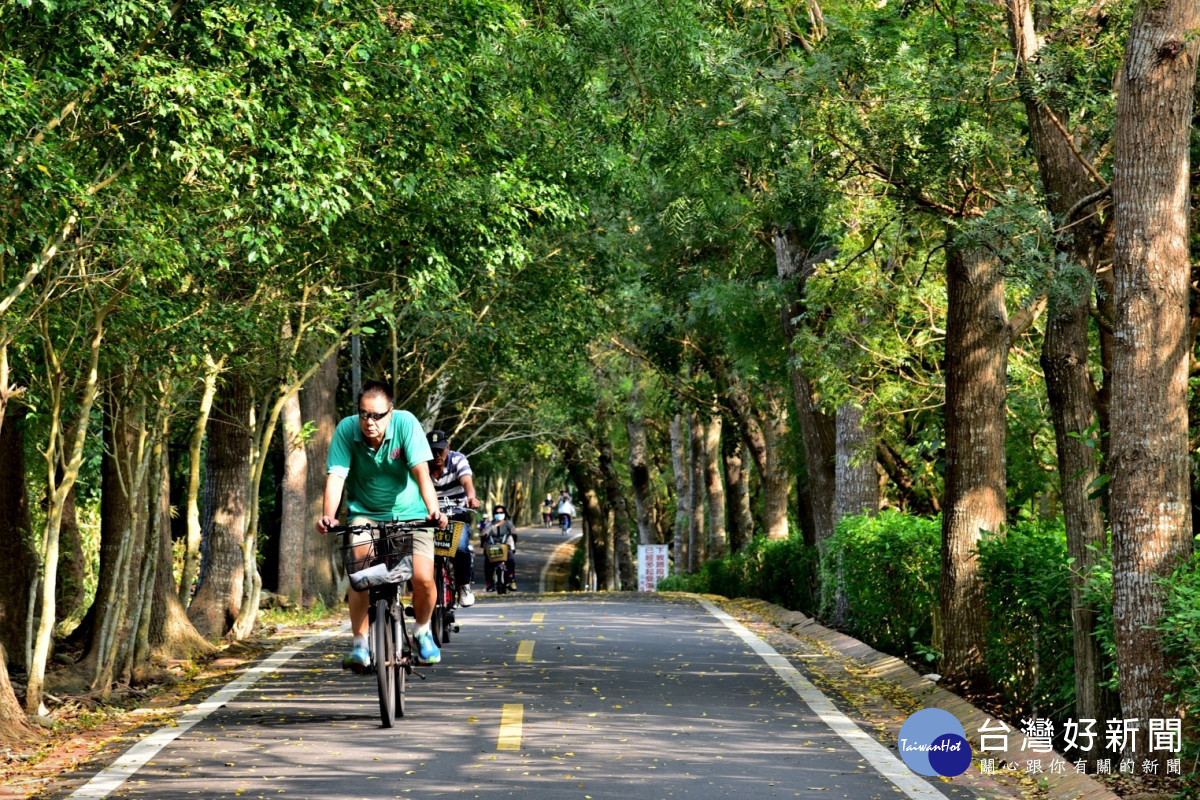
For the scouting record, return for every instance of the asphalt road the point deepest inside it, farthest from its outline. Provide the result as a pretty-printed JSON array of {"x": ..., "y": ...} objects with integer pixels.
[{"x": 553, "y": 696}]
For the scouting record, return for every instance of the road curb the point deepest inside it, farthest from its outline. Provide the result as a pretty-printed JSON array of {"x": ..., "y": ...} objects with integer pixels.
[{"x": 892, "y": 670}]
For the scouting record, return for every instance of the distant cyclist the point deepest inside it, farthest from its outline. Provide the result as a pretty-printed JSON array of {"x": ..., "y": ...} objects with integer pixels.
[
  {"x": 566, "y": 510},
  {"x": 452, "y": 479},
  {"x": 502, "y": 531},
  {"x": 380, "y": 458},
  {"x": 548, "y": 511}
]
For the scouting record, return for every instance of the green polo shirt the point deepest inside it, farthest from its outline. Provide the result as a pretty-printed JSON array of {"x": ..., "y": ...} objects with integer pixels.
[{"x": 379, "y": 484}]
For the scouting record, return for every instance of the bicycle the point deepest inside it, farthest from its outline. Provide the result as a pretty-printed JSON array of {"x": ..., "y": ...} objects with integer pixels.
[
  {"x": 380, "y": 565},
  {"x": 497, "y": 557},
  {"x": 445, "y": 547}
]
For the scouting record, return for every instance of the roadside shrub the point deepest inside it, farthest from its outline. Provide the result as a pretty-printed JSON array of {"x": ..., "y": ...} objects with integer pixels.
[
  {"x": 1029, "y": 651},
  {"x": 1180, "y": 629},
  {"x": 780, "y": 571},
  {"x": 888, "y": 578}
]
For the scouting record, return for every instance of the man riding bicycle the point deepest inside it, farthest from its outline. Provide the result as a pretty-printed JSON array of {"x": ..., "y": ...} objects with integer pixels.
[
  {"x": 381, "y": 459},
  {"x": 452, "y": 479}
]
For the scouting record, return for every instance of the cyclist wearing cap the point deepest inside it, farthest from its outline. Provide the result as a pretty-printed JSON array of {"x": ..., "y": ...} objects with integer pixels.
[
  {"x": 380, "y": 458},
  {"x": 452, "y": 479}
]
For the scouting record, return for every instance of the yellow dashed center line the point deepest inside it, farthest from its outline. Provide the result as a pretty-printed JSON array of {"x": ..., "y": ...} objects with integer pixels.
[
  {"x": 539, "y": 617},
  {"x": 525, "y": 650},
  {"x": 511, "y": 717}
]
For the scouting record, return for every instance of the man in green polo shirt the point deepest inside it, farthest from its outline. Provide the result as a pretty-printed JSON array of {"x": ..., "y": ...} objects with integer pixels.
[{"x": 380, "y": 458}]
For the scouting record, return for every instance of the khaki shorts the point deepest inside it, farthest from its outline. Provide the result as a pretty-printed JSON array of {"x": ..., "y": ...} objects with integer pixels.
[{"x": 422, "y": 539}]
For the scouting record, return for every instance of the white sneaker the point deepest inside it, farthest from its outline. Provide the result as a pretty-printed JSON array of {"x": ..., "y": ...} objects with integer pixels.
[{"x": 466, "y": 598}]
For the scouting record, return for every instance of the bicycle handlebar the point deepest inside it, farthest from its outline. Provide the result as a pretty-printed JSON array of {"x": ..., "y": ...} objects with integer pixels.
[{"x": 393, "y": 526}]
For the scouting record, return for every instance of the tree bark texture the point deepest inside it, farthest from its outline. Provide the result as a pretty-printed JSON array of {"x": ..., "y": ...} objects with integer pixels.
[
  {"x": 618, "y": 511},
  {"x": 588, "y": 505},
  {"x": 737, "y": 491},
  {"x": 817, "y": 429},
  {"x": 718, "y": 544},
  {"x": 218, "y": 595},
  {"x": 13, "y": 727},
  {"x": 856, "y": 488},
  {"x": 318, "y": 405},
  {"x": 1066, "y": 183},
  {"x": 776, "y": 479},
  {"x": 295, "y": 521},
  {"x": 857, "y": 483},
  {"x": 977, "y": 344},
  {"x": 195, "y": 536},
  {"x": 171, "y": 634},
  {"x": 697, "y": 458},
  {"x": 1150, "y": 487},
  {"x": 639, "y": 468},
  {"x": 72, "y": 564},
  {"x": 683, "y": 496},
  {"x": 16, "y": 537}
]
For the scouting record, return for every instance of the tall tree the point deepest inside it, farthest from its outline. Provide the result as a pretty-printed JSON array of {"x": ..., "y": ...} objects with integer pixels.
[{"x": 1152, "y": 343}]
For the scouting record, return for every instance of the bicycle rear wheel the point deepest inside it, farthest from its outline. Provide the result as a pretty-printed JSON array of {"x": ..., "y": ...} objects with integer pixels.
[
  {"x": 383, "y": 639},
  {"x": 449, "y": 594}
]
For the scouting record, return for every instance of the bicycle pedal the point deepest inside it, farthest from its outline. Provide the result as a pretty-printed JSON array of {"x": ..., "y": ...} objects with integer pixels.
[
  {"x": 454, "y": 628},
  {"x": 420, "y": 675}
]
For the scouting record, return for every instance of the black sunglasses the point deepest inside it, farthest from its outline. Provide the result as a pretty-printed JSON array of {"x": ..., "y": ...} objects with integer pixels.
[{"x": 375, "y": 415}]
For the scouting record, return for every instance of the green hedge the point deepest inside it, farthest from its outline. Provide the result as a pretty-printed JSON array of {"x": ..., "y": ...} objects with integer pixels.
[
  {"x": 781, "y": 571},
  {"x": 889, "y": 574},
  {"x": 1029, "y": 652},
  {"x": 1180, "y": 628}
]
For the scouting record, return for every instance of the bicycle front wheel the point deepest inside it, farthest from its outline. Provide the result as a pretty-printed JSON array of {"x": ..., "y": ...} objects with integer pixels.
[{"x": 384, "y": 641}]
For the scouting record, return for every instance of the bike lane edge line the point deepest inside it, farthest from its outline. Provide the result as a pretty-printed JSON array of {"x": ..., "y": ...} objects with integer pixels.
[
  {"x": 109, "y": 779},
  {"x": 878, "y": 756}
]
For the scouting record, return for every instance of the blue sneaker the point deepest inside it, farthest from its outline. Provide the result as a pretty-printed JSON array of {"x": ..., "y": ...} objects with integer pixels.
[
  {"x": 359, "y": 659},
  {"x": 428, "y": 648}
]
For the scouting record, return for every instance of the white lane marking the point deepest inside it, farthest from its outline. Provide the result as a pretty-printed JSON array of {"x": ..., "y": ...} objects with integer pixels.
[
  {"x": 878, "y": 756},
  {"x": 552, "y": 559},
  {"x": 111, "y": 777}
]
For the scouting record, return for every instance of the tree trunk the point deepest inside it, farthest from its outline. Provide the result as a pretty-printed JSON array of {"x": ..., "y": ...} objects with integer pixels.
[
  {"x": 1150, "y": 490},
  {"x": 71, "y": 452},
  {"x": 123, "y": 527},
  {"x": 72, "y": 564},
  {"x": 777, "y": 479},
  {"x": 737, "y": 495},
  {"x": 817, "y": 429},
  {"x": 218, "y": 596},
  {"x": 588, "y": 506},
  {"x": 856, "y": 483},
  {"x": 191, "y": 553},
  {"x": 697, "y": 457},
  {"x": 318, "y": 406},
  {"x": 13, "y": 727},
  {"x": 1066, "y": 184},
  {"x": 16, "y": 537},
  {"x": 295, "y": 522},
  {"x": 857, "y": 486},
  {"x": 977, "y": 343},
  {"x": 618, "y": 510},
  {"x": 639, "y": 468},
  {"x": 717, "y": 543},
  {"x": 170, "y": 634},
  {"x": 683, "y": 496}
]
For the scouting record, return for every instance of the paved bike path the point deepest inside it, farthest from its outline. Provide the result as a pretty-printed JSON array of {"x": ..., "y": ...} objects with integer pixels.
[{"x": 619, "y": 697}]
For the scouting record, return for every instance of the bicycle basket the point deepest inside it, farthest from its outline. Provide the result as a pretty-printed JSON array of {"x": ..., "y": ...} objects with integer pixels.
[
  {"x": 497, "y": 552},
  {"x": 379, "y": 556},
  {"x": 445, "y": 541}
]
